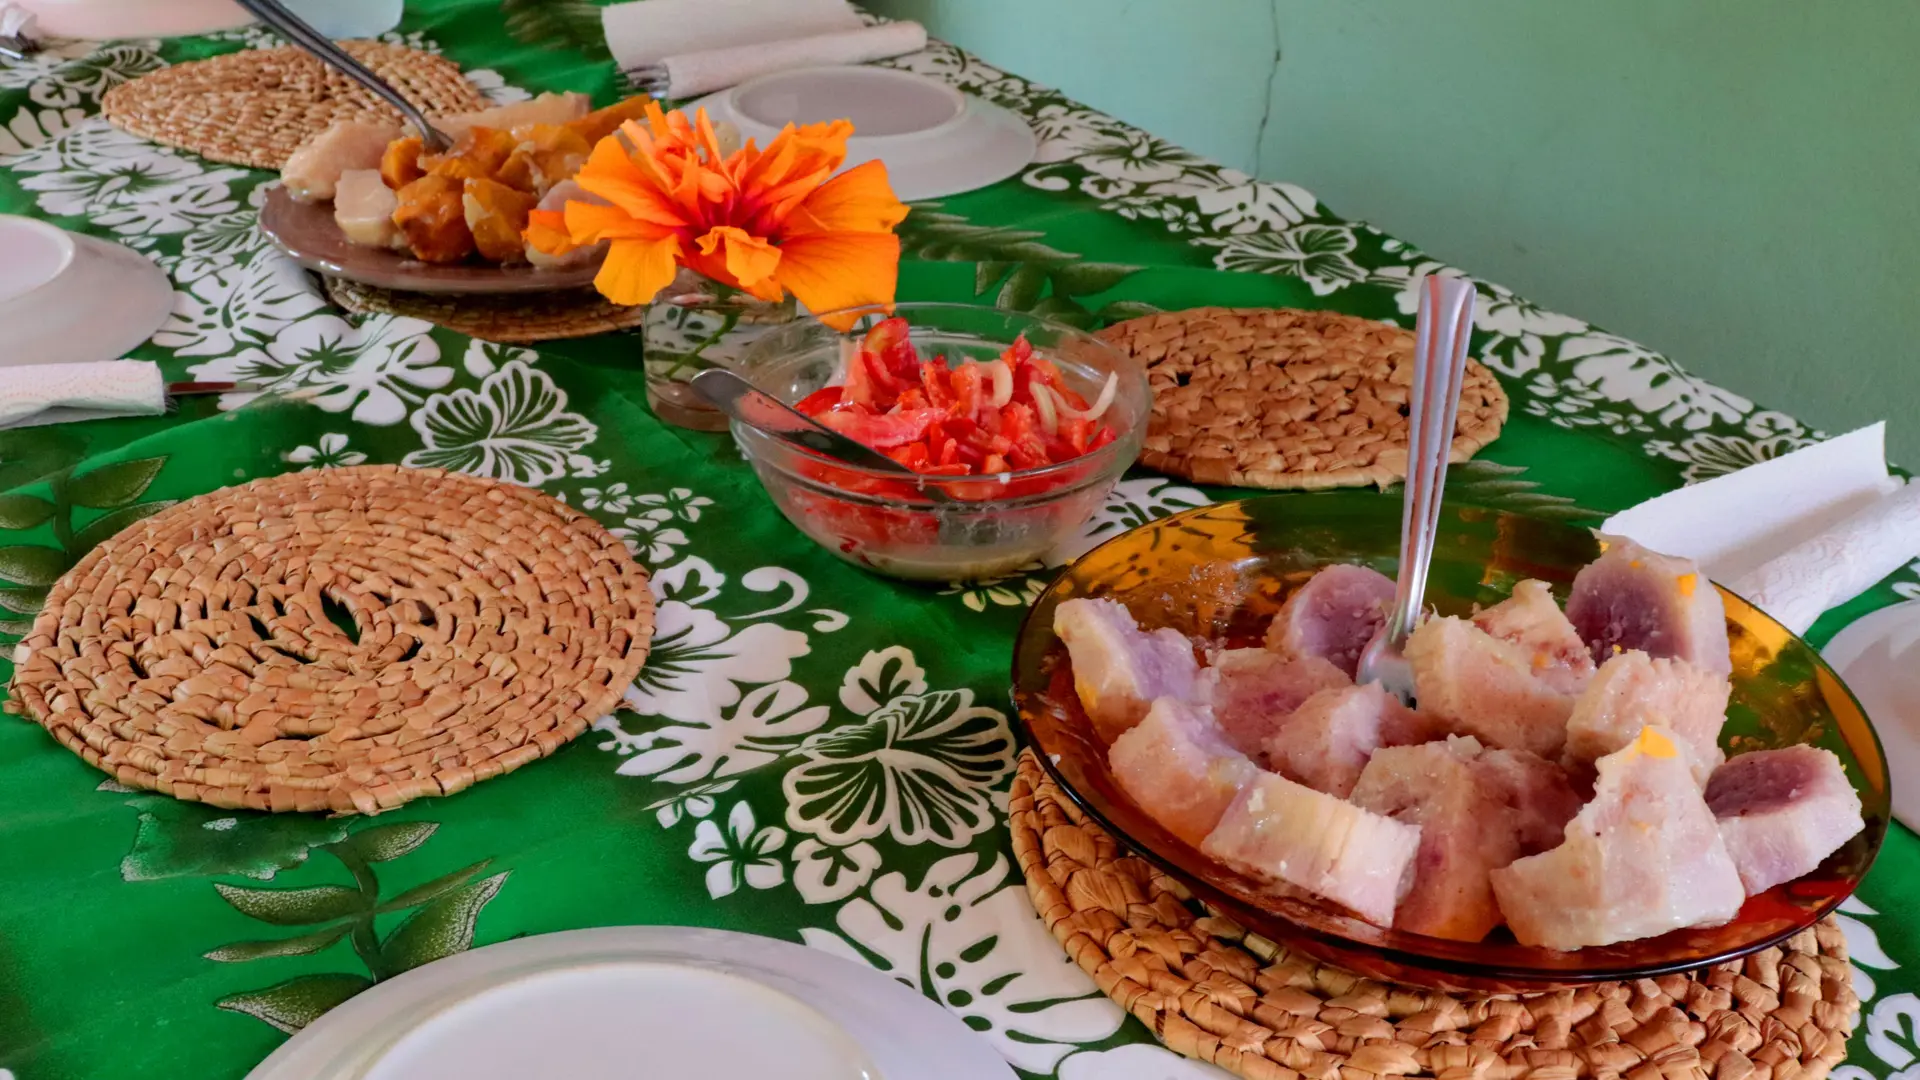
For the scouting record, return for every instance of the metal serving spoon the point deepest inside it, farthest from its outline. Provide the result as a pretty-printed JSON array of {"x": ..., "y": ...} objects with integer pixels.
[
  {"x": 1439, "y": 367},
  {"x": 296, "y": 30},
  {"x": 761, "y": 411}
]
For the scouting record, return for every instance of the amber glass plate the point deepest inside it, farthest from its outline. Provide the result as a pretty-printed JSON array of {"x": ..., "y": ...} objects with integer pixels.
[
  {"x": 1221, "y": 572},
  {"x": 307, "y": 233}
]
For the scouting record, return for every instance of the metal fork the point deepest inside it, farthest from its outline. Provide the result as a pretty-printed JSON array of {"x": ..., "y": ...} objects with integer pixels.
[
  {"x": 296, "y": 30},
  {"x": 1439, "y": 366}
]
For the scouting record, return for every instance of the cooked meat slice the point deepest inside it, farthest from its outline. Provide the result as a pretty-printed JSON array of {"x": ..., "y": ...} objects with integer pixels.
[
  {"x": 1178, "y": 767},
  {"x": 1333, "y": 615},
  {"x": 1531, "y": 619},
  {"x": 1632, "y": 598},
  {"x": 1782, "y": 812},
  {"x": 313, "y": 171},
  {"x": 1253, "y": 691},
  {"x": 1476, "y": 684},
  {"x": 1326, "y": 742},
  {"x": 1644, "y": 857},
  {"x": 1118, "y": 668},
  {"x": 1633, "y": 690}
]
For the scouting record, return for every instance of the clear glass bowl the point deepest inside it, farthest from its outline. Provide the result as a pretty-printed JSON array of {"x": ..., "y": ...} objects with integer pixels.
[
  {"x": 941, "y": 528},
  {"x": 1222, "y": 571}
]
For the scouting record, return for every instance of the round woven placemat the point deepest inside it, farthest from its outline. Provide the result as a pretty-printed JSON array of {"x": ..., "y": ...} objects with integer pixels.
[
  {"x": 511, "y": 318},
  {"x": 1281, "y": 398},
  {"x": 196, "y": 653},
  {"x": 255, "y": 107},
  {"x": 1209, "y": 990}
]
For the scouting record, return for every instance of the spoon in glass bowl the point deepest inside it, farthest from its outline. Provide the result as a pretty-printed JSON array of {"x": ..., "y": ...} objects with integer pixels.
[{"x": 1439, "y": 368}]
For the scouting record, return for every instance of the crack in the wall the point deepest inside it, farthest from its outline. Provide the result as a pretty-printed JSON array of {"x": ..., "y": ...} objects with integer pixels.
[{"x": 1266, "y": 107}]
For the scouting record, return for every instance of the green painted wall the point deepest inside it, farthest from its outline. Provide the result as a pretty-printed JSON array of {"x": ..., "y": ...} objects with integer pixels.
[{"x": 1734, "y": 183}]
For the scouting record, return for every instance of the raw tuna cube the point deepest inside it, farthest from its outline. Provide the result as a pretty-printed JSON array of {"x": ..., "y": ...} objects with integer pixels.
[
  {"x": 1179, "y": 768},
  {"x": 1253, "y": 691},
  {"x": 1644, "y": 857},
  {"x": 1633, "y": 690},
  {"x": 1478, "y": 810},
  {"x": 1532, "y": 620},
  {"x": 1328, "y": 739},
  {"x": 1632, "y": 598},
  {"x": 1118, "y": 668},
  {"x": 1333, "y": 615},
  {"x": 313, "y": 170},
  {"x": 1479, "y": 685},
  {"x": 1782, "y": 812},
  {"x": 1327, "y": 846}
]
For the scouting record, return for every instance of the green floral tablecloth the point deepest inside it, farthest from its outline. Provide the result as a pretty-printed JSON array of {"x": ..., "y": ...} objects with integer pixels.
[{"x": 811, "y": 753}]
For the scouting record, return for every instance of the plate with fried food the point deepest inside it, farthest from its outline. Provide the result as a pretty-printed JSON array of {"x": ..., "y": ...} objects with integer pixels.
[{"x": 365, "y": 201}]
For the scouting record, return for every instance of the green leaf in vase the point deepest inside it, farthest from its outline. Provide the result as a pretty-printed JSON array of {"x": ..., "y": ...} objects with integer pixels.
[
  {"x": 1084, "y": 278},
  {"x": 114, "y": 485},
  {"x": 434, "y": 889},
  {"x": 23, "y": 511},
  {"x": 303, "y": 945},
  {"x": 30, "y": 564},
  {"x": 299, "y": 1001},
  {"x": 384, "y": 843},
  {"x": 178, "y": 839},
  {"x": 1022, "y": 290},
  {"x": 100, "y": 529},
  {"x": 294, "y": 907},
  {"x": 439, "y": 929}
]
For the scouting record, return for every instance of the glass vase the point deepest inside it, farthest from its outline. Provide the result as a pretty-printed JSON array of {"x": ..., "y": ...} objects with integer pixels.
[{"x": 695, "y": 324}]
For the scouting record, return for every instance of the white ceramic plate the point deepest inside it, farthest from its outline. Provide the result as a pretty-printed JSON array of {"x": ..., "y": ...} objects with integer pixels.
[
  {"x": 935, "y": 140},
  {"x": 670, "y": 1003},
  {"x": 67, "y": 298},
  {"x": 1878, "y": 657}
]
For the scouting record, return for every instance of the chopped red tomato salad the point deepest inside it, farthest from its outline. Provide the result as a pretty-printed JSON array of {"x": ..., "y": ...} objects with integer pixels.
[{"x": 973, "y": 419}]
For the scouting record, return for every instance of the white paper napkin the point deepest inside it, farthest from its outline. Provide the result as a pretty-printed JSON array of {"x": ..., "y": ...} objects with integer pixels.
[
  {"x": 649, "y": 31},
  {"x": 1797, "y": 534},
  {"x": 17, "y": 22},
  {"x": 696, "y": 73},
  {"x": 56, "y": 393}
]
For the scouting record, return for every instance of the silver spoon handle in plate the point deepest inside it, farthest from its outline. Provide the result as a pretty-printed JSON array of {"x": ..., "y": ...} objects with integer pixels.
[
  {"x": 296, "y": 30},
  {"x": 1439, "y": 368}
]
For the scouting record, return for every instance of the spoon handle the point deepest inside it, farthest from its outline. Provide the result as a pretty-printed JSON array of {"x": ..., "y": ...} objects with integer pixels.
[
  {"x": 296, "y": 30},
  {"x": 1439, "y": 368}
]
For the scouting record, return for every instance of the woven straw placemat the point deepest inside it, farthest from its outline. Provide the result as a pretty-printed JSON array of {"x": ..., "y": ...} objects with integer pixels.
[
  {"x": 255, "y": 107},
  {"x": 198, "y": 653},
  {"x": 1281, "y": 398},
  {"x": 511, "y": 318},
  {"x": 1211, "y": 991}
]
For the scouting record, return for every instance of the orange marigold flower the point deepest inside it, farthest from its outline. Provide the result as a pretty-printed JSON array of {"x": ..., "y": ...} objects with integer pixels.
[{"x": 763, "y": 221}]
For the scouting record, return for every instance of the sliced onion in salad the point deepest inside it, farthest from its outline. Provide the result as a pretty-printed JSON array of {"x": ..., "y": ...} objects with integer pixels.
[
  {"x": 1100, "y": 404},
  {"x": 1002, "y": 377},
  {"x": 1048, "y": 407}
]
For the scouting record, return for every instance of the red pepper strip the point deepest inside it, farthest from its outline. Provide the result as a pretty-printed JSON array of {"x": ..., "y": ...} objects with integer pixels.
[
  {"x": 934, "y": 381},
  {"x": 820, "y": 400},
  {"x": 967, "y": 395}
]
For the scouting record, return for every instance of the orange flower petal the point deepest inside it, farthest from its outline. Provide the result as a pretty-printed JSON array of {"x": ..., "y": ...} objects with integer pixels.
[
  {"x": 750, "y": 259},
  {"x": 858, "y": 200},
  {"x": 631, "y": 184},
  {"x": 547, "y": 232},
  {"x": 588, "y": 223},
  {"x": 636, "y": 270},
  {"x": 828, "y": 271}
]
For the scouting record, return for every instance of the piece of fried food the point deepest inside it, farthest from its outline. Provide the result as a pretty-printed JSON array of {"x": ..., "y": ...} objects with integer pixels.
[
  {"x": 601, "y": 123},
  {"x": 400, "y": 164},
  {"x": 478, "y": 153},
  {"x": 496, "y": 215},
  {"x": 432, "y": 217},
  {"x": 543, "y": 155}
]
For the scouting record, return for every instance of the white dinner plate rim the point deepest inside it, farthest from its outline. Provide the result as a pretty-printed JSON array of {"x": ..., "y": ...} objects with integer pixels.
[{"x": 907, "y": 1036}]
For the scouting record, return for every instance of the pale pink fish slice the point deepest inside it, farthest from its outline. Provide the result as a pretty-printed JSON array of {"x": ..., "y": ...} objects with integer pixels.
[
  {"x": 1633, "y": 598},
  {"x": 1254, "y": 691},
  {"x": 1641, "y": 859},
  {"x": 1178, "y": 767},
  {"x": 1118, "y": 668},
  {"x": 1333, "y": 615},
  {"x": 1782, "y": 812},
  {"x": 1478, "y": 810},
  {"x": 1531, "y": 619},
  {"x": 1290, "y": 833},
  {"x": 1476, "y": 684},
  {"x": 1633, "y": 690},
  {"x": 1326, "y": 742}
]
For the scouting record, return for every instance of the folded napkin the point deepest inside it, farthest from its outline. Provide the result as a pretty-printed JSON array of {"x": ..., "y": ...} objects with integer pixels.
[
  {"x": 57, "y": 393},
  {"x": 692, "y": 74},
  {"x": 649, "y": 31},
  {"x": 1797, "y": 534},
  {"x": 17, "y": 23}
]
